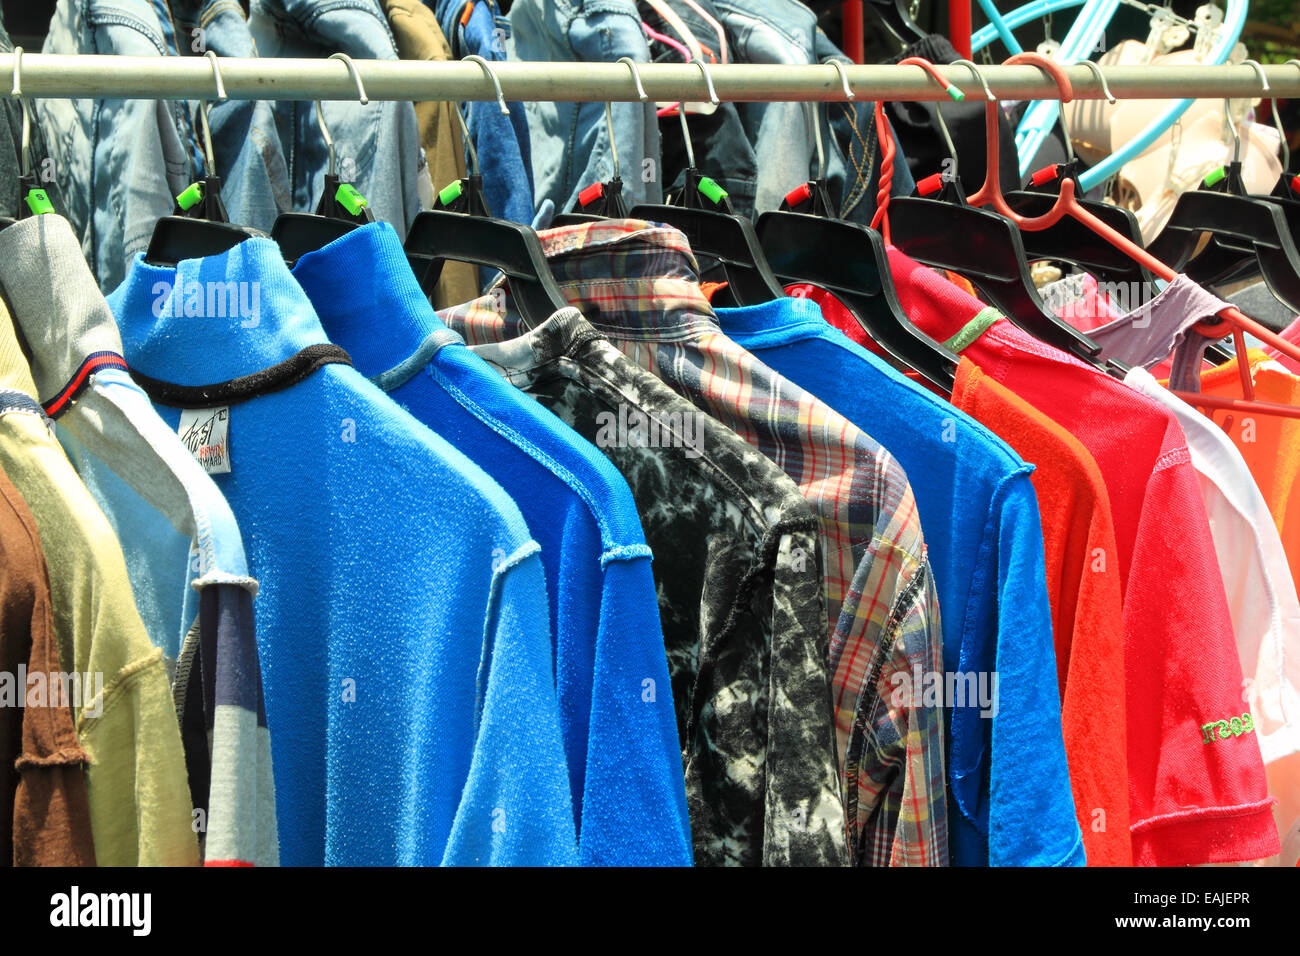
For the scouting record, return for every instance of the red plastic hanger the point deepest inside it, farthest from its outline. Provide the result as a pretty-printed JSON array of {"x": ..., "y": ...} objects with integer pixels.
[{"x": 990, "y": 194}]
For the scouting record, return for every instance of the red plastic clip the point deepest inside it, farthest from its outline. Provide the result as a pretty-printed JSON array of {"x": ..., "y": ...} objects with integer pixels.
[
  {"x": 1044, "y": 175},
  {"x": 1295, "y": 185},
  {"x": 799, "y": 195},
  {"x": 591, "y": 194},
  {"x": 930, "y": 185}
]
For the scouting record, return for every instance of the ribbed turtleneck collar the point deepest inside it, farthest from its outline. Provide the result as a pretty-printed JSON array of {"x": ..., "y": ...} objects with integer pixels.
[
  {"x": 367, "y": 297},
  {"x": 215, "y": 319}
]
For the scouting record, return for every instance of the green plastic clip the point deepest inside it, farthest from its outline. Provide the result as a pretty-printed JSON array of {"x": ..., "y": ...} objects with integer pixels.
[
  {"x": 1215, "y": 176},
  {"x": 350, "y": 199},
  {"x": 712, "y": 190},
  {"x": 192, "y": 196},
  {"x": 955, "y": 94},
  {"x": 450, "y": 193},
  {"x": 38, "y": 202}
]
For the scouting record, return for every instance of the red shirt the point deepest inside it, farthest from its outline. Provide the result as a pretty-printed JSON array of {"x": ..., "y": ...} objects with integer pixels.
[{"x": 1197, "y": 790}]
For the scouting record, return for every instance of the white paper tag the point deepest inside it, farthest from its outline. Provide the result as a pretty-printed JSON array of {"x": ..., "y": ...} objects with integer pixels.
[{"x": 206, "y": 433}]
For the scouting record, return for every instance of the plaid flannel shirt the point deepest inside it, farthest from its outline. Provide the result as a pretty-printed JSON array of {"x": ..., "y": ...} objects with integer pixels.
[{"x": 637, "y": 283}]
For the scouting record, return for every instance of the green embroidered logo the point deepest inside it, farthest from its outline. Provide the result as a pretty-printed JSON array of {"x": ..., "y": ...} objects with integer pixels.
[{"x": 1223, "y": 729}]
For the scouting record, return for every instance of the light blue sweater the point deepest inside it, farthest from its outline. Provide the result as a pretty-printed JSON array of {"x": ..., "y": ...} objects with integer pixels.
[{"x": 402, "y": 619}]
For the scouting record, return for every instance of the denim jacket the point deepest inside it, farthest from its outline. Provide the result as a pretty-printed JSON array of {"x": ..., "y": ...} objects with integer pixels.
[
  {"x": 39, "y": 154},
  {"x": 776, "y": 32},
  {"x": 249, "y": 155},
  {"x": 853, "y": 151},
  {"x": 722, "y": 149},
  {"x": 502, "y": 142},
  {"x": 571, "y": 141},
  {"x": 378, "y": 145},
  {"x": 120, "y": 162}
]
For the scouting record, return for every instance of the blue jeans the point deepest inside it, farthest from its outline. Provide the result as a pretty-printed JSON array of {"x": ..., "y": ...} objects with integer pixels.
[
  {"x": 246, "y": 147},
  {"x": 853, "y": 150},
  {"x": 722, "y": 150},
  {"x": 120, "y": 163},
  {"x": 571, "y": 141},
  {"x": 780, "y": 33},
  {"x": 378, "y": 145},
  {"x": 502, "y": 142}
]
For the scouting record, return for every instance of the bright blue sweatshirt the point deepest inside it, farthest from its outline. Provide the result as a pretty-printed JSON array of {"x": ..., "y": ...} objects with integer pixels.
[
  {"x": 402, "y": 619},
  {"x": 1009, "y": 786},
  {"x": 625, "y": 761}
]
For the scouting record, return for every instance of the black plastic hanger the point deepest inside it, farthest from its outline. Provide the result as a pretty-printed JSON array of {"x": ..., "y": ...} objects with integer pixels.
[
  {"x": 724, "y": 244},
  {"x": 509, "y": 247},
  {"x": 198, "y": 225},
  {"x": 1240, "y": 227},
  {"x": 849, "y": 260},
  {"x": 340, "y": 210},
  {"x": 984, "y": 247},
  {"x": 1070, "y": 241},
  {"x": 806, "y": 241},
  {"x": 461, "y": 228},
  {"x": 896, "y": 17}
]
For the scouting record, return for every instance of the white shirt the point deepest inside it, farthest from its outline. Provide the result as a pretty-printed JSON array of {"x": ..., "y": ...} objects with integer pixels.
[{"x": 1261, "y": 598}]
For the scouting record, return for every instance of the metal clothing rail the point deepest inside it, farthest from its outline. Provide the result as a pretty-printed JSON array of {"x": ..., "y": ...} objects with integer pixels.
[{"x": 191, "y": 78}]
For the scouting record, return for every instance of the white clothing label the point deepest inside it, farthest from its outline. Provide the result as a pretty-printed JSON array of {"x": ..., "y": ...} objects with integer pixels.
[{"x": 206, "y": 433}]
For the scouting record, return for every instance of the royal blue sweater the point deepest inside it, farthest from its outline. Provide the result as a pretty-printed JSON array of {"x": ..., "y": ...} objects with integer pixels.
[
  {"x": 625, "y": 762},
  {"x": 1009, "y": 786},
  {"x": 402, "y": 620}
]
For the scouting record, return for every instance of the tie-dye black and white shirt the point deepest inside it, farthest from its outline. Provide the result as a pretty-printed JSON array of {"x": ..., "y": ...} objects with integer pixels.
[{"x": 740, "y": 598}]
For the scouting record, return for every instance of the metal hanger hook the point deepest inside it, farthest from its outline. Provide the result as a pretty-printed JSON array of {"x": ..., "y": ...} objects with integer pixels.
[
  {"x": 355, "y": 74},
  {"x": 686, "y": 136},
  {"x": 681, "y": 109},
  {"x": 636, "y": 77},
  {"x": 469, "y": 140},
  {"x": 1259, "y": 70},
  {"x": 1277, "y": 121},
  {"x": 329, "y": 140},
  {"x": 1232, "y": 128},
  {"x": 205, "y": 107},
  {"x": 988, "y": 93},
  {"x": 708, "y": 79},
  {"x": 952, "y": 90},
  {"x": 811, "y": 114},
  {"x": 17, "y": 91},
  {"x": 1105, "y": 87},
  {"x": 609, "y": 113},
  {"x": 844, "y": 79},
  {"x": 496, "y": 83}
]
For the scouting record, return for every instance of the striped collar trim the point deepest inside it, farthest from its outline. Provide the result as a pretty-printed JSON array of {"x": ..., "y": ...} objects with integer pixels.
[{"x": 80, "y": 380}]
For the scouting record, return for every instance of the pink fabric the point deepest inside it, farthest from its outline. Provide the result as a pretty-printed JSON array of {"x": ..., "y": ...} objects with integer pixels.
[{"x": 1291, "y": 334}]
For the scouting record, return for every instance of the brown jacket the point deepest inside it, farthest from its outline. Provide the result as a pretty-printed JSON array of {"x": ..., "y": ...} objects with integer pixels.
[
  {"x": 44, "y": 813},
  {"x": 415, "y": 27}
]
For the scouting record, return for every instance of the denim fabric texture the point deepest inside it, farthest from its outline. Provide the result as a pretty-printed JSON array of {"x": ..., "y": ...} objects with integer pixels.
[
  {"x": 40, "y": 159},
  {"x": 502, "y": 142},
  {"x": 722, "y": 149},
  {"x": 246, "y": 148},
  {"x": 378, "y": 145},
  {"x": 852, "y": 150},
  {"x": 780, "y": 33},
  {"x": 571, "y": 141},
  {"x": 120, "y": 163}
]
